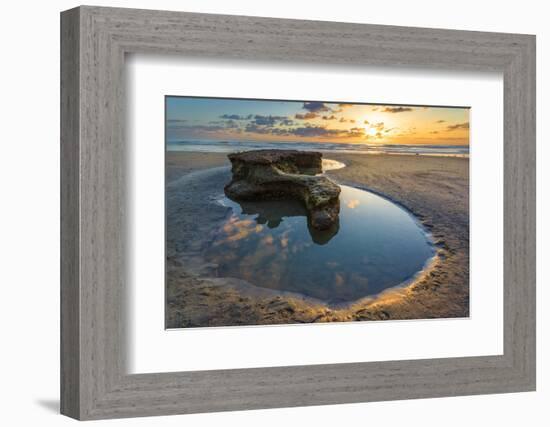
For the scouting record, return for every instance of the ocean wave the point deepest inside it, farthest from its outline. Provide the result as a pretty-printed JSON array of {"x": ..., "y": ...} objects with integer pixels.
[{"x": 232, "y": 146}]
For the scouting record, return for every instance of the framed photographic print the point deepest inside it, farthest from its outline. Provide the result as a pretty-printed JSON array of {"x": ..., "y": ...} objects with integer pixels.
[{"x": 262, "y": 213}]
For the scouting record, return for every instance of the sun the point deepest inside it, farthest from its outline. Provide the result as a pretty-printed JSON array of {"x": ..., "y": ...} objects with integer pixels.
[{"x": 371, "y": 131}]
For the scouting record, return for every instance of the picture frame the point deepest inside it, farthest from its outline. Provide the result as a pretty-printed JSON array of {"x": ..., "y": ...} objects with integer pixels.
[{"x": 94, "y": 381}]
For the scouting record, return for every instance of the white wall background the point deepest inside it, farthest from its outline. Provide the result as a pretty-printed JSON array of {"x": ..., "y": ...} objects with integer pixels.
[{"x": 29, "y": 224}]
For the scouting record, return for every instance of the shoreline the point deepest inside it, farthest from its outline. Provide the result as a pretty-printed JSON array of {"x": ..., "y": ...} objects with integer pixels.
[
  {"x": 210, "y": 146},
  {"x": 419, "y": 186}
]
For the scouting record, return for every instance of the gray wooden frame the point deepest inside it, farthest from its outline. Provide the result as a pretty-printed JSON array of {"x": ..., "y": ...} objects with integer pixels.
[{"x": 94, "y": 41}]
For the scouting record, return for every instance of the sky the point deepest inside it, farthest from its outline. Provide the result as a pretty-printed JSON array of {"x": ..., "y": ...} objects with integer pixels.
[{"x": 228, "y": 119}]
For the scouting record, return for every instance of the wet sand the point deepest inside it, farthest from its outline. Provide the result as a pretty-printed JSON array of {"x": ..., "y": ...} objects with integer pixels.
[{"x": 434, "y": 189}]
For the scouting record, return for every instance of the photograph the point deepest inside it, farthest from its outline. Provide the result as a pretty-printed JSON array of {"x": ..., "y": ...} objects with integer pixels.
[{"x": 301, "y": 211}]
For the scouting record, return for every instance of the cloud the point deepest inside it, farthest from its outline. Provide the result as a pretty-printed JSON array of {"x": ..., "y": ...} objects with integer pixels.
[
  {"x": 254, "y": 128},
  {"x": 231, "y": 124},
  {"x": 307, "y": 131},
  {"x": 397, "y": 109},
  {"x": 342, "y": 120},
  {"x": 331, "y": 117},
  {"x": 188, "y": 131},
  {"x": 441, "y": 121},
  {"x": 345, "y": 105},
  {"x": 175, "y": 121},
  {"x": 314, "y": 131},
  {"x": 356, "y": 132},
  {"x": 315, "y": 107},
  {"x": 366, "y": 122},
  {"x": 465, "y": 125},
  {"x": 299, "y": 131},
  {"x": 177, "y": 128},
  {"x": 235, "y": 117},
  {"x": 269, "y": 120},
  {"x": 321, "y": 131},
  {"x": 258, "y": 119},
  {"x": 202, "y": 128},
  {"x": 378, "y": 126},
  {"x": 306, "y": 116}
]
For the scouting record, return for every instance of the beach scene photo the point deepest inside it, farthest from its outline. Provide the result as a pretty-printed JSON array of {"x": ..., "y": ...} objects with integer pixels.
[{"x": 300, "y": 211}]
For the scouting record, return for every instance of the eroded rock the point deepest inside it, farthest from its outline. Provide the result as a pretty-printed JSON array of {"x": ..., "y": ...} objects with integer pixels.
[{"x": 286, "y": 174}]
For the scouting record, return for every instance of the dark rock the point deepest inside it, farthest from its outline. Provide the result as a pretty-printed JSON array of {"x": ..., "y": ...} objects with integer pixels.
[{"x": 286, "y": 174}]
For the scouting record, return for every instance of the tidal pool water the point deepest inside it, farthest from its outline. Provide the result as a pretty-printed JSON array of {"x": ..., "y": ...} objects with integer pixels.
[{"x": 376, "y": 245}]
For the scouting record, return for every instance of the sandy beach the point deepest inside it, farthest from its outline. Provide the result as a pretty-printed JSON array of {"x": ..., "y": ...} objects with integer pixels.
[{"x": 433, "y": 189}]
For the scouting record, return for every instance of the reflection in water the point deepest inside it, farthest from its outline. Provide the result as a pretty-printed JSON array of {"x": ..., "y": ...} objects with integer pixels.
[
  {"x": 376, "y": 245},
  {"x": 272, "y": 214}
]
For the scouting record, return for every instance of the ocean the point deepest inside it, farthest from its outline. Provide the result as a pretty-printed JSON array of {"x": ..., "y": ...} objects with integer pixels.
[{"x": 232, "y": 146}]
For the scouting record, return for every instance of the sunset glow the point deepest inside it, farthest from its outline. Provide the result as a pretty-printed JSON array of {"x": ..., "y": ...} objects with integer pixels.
[{"x": 189, "y": 118}]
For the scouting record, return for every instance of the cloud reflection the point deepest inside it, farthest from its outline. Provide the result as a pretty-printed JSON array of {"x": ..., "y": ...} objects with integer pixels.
[{"x": 352, "y": 204}]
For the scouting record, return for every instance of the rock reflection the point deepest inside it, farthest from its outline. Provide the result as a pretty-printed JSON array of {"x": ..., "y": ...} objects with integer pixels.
[{"x": 271, "y": 213}]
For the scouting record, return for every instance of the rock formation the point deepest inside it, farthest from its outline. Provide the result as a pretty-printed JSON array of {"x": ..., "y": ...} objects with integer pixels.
[{"x": 286, "y": 174}]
